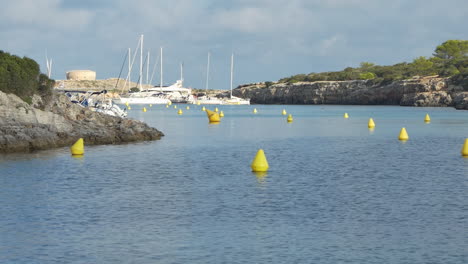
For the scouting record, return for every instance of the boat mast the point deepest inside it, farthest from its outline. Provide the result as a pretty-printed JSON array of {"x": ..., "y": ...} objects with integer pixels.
[
  {"x": 161, "y": 82},
  {"x": 129, "y": 68},
  {"x": 207, "y": 73},
  {"x": 48, "y": 65},
  {"x": 232, "y": 67},
  {"x": 147, "y": 68},
  {"x": 141, "y": 62},
  {"x": 182, "y": 73}
]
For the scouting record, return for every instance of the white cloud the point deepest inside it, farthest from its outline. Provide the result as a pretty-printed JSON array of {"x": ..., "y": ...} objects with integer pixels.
[
  {"x": 289, "y": 35},
  {"x": 46, "y": 14}
]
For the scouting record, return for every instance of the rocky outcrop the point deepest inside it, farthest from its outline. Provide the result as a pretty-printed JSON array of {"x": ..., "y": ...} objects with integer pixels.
[
  {"x": 26, "y": 128},
  {"x": 419, "y": 91},
  {"x": 96, "y": 85}
]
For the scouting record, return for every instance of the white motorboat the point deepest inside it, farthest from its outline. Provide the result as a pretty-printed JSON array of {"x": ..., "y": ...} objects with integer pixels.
[
  {"x": 96, "y": 102},
  {"x": 143, "y": 97},
  {"x": 176, "y": 93}
]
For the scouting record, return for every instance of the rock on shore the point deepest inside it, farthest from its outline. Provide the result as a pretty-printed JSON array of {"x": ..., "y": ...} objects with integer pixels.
[
  {"x": 419, "y": 91},
  {"x": 26, "y": 128}
]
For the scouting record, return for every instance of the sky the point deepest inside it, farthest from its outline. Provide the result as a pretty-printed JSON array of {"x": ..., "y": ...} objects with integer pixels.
[{"x": 270, "y": 39}]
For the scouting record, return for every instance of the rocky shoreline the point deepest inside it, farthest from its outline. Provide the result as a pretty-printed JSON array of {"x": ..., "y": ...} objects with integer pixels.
[
  {"x": 418, "y": 91},
  {"x": 25, "y": 128}
]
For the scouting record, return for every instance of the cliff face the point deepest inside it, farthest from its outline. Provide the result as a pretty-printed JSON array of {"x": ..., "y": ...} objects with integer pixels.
[
  {"x": 426, "y": 91},
  {"x": 26, "y": 128}
]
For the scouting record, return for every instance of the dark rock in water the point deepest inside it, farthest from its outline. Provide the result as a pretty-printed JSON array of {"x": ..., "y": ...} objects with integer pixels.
[
  {"x": 419, "y": 91},
  {"x": 26, "y": 128}
]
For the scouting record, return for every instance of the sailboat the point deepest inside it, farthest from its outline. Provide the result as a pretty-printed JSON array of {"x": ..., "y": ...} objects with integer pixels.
[
  {"x": 233, "y": 100},
  {"x": 208, "y": 100},
  {"x": 142, "y": 96},
  {"x": 176, "y": 92}
]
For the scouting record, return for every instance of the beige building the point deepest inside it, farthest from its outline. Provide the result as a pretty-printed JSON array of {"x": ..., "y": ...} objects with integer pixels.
[{"x": 81, "y": 75}]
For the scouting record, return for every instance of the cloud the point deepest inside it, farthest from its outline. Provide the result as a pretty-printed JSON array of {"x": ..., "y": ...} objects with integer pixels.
[
  {"x": 271, "y": 39},
  {"x": 44, "y": 14}
]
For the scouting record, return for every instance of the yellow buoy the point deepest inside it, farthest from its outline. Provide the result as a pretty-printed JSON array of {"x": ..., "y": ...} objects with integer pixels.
[
  {"x": 284, "y": 112},
  {"x": 221, "y": 114},
  {"x": 78, "y": 147},
  {"x": 255, "y": 110},
  {"x": 290, "y": 118},
  {"x": 144, "y": 109},
  {"x": 213, "y": 117},
  {"x": 126, "y": 103},
  {"x": 345, "y": 115},
  {"x": 260, "y": 162},
  {"x": 180, "y": 112},
  {"x": 175, "y": 106},
  {"x": 464, "y": 150},
  {"x": 403, "y": 135},
  {"x": 188, "y": 107},
  {"x": 216, "y": 109},
  {"x": 129, "y": 108},
  {"x": 169, "y": 103},
  {"x": 167, "y": 106},
  {"x": 427, "y": 119},
  {"x": 203, "y": 109},
  {"x": 371, "y": 123},
  {"x": 198, "y": 103}
]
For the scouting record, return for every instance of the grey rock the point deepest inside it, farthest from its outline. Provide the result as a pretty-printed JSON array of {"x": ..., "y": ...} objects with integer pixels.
[
  {"x": 26, "y": 128},
  {"x": 418, "y": 91}
]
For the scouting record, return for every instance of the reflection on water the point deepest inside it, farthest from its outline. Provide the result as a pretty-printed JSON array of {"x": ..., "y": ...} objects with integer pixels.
[
  {"x": 335, "y": 192},
  {"x": 261, "y": 175}
]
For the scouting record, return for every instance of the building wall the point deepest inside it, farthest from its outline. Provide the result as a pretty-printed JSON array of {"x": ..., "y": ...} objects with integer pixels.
[{"x": 81, "y": 75}]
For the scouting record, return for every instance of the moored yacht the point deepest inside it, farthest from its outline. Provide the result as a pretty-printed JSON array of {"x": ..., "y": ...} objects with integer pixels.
[
  {"x": 142, "y": 96},
  {"x": 206, "y": 99},
  {"x": 233, "y": 100}
]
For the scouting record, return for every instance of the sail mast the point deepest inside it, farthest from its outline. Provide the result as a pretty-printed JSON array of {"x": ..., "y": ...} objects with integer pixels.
[
  {"x": 147, "y": 68},
  {"x": 182, "y": 73},
  {"x": 161, "y": 82},
  {"x": 232, "y": 67},
  {"x": 129, "y": 67},
  {"x": 207, "y": 72},
  {"x": 141, "y": 62}
]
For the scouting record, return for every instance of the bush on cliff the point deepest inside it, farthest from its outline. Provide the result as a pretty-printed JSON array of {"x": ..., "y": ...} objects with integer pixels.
[{"x": 22, "y": 77}]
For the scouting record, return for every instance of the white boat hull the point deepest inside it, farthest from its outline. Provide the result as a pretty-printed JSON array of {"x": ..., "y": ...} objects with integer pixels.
[
  {"x": 142, "y": 100},
  {"x": 237, "y": 101},
  {"x": 210, "y": 102}
]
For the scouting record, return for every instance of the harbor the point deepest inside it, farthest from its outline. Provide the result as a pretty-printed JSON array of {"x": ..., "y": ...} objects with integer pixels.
[{"x": 335, "y": 190}]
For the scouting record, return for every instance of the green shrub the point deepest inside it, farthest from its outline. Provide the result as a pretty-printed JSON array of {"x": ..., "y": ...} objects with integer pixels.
[{"x": 21, "y": 76}]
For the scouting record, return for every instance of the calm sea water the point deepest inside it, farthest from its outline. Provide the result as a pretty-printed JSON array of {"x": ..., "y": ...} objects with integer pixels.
[{"x": 335, "y": 192}]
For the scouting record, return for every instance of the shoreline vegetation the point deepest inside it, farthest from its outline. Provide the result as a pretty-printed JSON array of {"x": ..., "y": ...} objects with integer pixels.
[
  {"x": 449, "y": 59},
  {"x": 34, "y": 117},
  {"x": 440, "y": 80}
]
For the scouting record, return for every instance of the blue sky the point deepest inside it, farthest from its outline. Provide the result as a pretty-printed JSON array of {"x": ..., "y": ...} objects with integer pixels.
[{"x": 270, "y": 39}]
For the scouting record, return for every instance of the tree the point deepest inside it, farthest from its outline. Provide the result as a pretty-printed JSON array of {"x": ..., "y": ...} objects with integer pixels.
[
  {"x": 21, "y": 76},
  {"x": 452, "y": 49},
  {"x": 422, "y": 66},
  {"x": 366, "y": 66}
]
